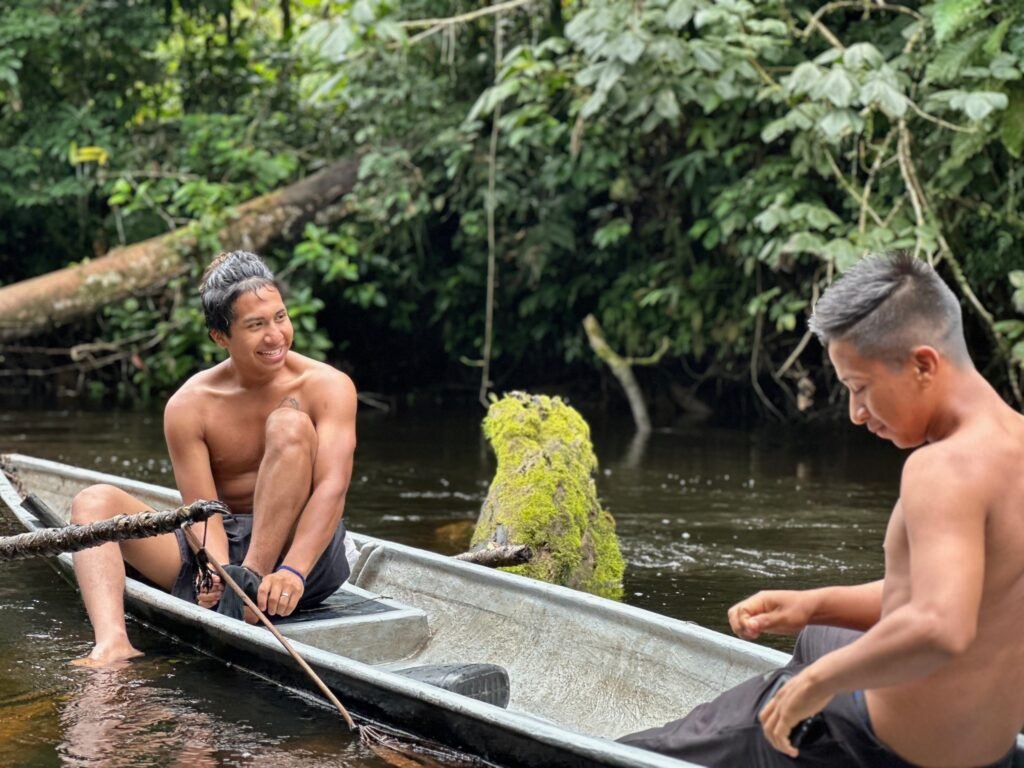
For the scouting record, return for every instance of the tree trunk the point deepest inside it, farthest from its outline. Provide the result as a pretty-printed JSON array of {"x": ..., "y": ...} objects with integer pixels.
[
  {"x": 622, "y": 368},
  {"x": 40, "y": 303}
]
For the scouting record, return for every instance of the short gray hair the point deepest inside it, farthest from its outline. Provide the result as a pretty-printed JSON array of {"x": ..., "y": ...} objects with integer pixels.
[
  {"x": 885, "y": 305},
  {"x": 228, "y": 277}
]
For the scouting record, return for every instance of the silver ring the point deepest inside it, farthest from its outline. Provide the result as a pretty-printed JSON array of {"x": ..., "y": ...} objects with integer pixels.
[{"x": 286, "y": 594}]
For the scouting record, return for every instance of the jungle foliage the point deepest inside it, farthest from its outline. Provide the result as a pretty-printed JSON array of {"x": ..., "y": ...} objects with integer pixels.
[{"x": 692, "y": 172}]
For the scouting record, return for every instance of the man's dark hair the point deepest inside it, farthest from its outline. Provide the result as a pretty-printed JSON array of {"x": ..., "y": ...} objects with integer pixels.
[
  {"x": 885, "y": 305},
  {"x": 228, "y": 277}
]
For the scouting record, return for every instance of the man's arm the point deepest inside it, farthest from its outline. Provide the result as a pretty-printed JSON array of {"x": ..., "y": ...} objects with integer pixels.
[
  {"x": 333, "y": 407},
  {"x": 944, "y": 521},
  {"x": 786, "y": 612},
  {"x": 190, "y": 459}
]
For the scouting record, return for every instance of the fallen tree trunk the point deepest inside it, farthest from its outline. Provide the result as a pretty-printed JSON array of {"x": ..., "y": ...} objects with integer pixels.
[{"x": 41, "y": 303}]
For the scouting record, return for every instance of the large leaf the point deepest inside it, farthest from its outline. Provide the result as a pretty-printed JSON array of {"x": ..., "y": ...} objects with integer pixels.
[
  {"x": 950, "y": 16},
  {"x": 838, "y": 87},
  {"x": 1012, "y": 127},
  {"x": 881, "y": 91}
]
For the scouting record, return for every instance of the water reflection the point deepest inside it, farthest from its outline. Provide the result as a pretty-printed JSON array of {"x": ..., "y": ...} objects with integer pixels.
[{"x": 137, "y": 715}]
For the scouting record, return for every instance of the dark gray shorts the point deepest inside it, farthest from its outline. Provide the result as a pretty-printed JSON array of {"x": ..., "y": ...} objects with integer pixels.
[
  {"x": 329, "y": 573},
  {"x": 726, "y": 732}
]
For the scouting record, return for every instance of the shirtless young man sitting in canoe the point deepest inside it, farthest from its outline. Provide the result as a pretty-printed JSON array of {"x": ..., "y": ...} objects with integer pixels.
[
  {"x": 270, "y": 433},
  {"x": 926, "y": 666}
]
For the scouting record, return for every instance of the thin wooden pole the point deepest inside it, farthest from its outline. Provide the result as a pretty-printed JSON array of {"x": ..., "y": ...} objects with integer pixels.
[{"x": 267, "y": 623}]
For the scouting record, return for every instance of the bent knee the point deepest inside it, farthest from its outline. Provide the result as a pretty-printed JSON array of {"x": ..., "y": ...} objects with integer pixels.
[
  {"x": 289, "y": 428},
  {"x": 98, "y": 502}
]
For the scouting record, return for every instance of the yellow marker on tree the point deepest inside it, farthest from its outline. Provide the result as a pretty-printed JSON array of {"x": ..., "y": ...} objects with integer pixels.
[{"x": 81, "y": 155}]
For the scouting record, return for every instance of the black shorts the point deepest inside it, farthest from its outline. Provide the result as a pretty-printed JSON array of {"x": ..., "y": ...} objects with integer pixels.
[
  {"x": 726, "y": 732},
  {"x": 329, "y": 573}
]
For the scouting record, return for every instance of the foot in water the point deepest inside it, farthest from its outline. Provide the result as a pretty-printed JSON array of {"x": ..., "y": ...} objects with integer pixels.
[{"x": 115, "y": 656}]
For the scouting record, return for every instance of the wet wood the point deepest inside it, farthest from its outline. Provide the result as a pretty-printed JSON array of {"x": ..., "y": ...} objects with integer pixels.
[{"x": 498, "y": 557}]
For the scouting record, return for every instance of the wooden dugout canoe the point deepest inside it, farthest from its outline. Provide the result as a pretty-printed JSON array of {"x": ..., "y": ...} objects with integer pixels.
[{"x": 505, "y": 668}]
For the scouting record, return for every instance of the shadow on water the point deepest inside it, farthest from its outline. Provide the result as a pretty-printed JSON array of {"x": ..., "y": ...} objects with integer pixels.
[{"x": 705, "y": 516}]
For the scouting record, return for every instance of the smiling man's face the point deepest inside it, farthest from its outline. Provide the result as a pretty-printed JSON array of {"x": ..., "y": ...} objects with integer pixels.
[{"x": 261, "y": 331}]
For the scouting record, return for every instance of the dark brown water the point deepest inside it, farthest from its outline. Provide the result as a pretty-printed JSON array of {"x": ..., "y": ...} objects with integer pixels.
[{"x": 705, "y": 517}]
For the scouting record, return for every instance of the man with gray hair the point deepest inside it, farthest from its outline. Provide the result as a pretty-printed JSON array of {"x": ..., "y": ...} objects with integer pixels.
[
  {"x": 925, "y": 666},
  {"x": 267, "y": 431}
]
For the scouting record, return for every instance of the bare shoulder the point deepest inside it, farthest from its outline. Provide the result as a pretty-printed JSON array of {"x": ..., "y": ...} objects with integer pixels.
[
  {"x": 954, "y": 470},
  {"x": 325, "y": 387},
  {"x": 188, "y": 403}
]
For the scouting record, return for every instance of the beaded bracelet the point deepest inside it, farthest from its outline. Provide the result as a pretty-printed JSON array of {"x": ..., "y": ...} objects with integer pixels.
[{"x": 283, "y": 567}]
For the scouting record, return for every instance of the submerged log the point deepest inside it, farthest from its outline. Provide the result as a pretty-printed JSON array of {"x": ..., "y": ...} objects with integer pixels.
[
  {"x": 73, "y": 538},
  {"x": 41, "y": 303},
  {"x": 544, "y": 496}
]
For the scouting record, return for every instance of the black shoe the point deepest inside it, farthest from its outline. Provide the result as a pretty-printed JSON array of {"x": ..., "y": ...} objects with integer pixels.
[{"x": 230, "y": 603}]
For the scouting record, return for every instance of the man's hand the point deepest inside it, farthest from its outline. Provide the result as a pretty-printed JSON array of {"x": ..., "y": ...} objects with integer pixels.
[
  {"x": 279, "y": 593},
  {"x": 777, "y": 612},
  {"x": 796, "y": 701},
  {"x": 209, "y": 597}
]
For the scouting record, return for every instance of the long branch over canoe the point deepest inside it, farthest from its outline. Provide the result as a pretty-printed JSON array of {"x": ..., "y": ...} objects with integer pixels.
[
  {"x": 73, "y": 538},
  {"x": 41, "y": 303}
]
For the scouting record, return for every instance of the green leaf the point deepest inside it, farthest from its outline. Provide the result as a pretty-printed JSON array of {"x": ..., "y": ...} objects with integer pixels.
[
  {"x": 978, "y": 105},
  {"x": 679, "y": 14},
  {"x": 817, "y": 216},
  {"x": 1004, "y": 67},
  {"x": 881, "y": 91},
  {"x": 1011, "y": 329},
  {"x": 802, "y": 79},
  {"x": 804, "y": 242},
  {"x": 1018, "y": 353},
  {"x": 611, "y": 233},
  {"x": 1017, "y": 279},
  {"x": 994, "y": 43},
  {"x": 837, "y": 87},
  {"x": 841, "y": 252},
  {"x": 862, "y": 56},
  {"x": 950, "y": 16},
  {"x": 839, "y": 123},
  {"x": 666, "y": 105},
  {"x": 951, "y": 59},
  {"x": 363, "y": 13},
  {"x": 628, "y": 47},
  {"x": 1011, "y": 129}
]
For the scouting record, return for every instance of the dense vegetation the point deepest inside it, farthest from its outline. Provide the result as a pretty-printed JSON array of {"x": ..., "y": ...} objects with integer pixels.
[{"x": 691, "y": 172}]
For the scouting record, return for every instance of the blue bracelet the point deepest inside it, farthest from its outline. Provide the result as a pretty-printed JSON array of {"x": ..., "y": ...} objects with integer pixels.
[{"x": 283, "y": 567}]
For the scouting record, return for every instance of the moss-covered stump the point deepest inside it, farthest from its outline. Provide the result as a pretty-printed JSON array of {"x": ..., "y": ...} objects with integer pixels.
[{"x": 543, "y": 495}]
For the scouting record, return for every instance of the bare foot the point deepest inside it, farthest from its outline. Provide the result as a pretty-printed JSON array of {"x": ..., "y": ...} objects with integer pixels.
[{"x": 114, "y": 657}]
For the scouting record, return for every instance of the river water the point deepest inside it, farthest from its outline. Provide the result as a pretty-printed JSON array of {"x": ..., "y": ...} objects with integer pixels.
[{"x": 705, "y": 516}]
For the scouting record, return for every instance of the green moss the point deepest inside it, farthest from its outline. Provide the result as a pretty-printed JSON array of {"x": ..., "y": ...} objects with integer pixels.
[{"x": 543, "y": 494}]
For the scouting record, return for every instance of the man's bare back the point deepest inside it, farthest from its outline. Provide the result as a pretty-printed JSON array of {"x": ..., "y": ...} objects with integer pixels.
[
  {"x": 932, "y": 672},
  {"x": 948, "y": 716}
]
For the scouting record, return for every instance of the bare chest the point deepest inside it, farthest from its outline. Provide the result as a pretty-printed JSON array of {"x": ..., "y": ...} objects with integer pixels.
[{"x": 235, "y": 432}]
